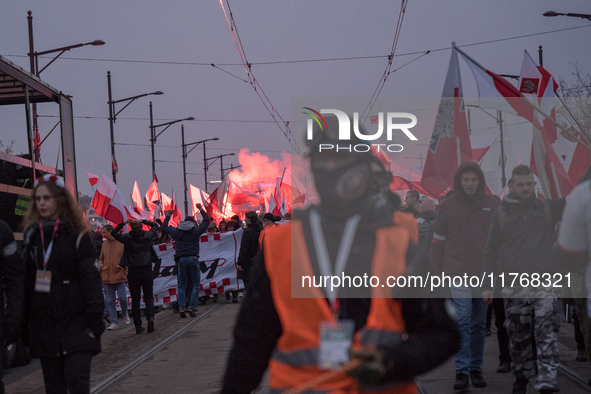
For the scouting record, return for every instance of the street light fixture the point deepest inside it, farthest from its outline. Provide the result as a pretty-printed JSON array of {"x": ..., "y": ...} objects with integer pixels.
[
  {"x": 185, "y": 153},
  {"x": 34, "y": 64},
  {"x": 154, "y": 136},
  {"x": 221, "y": 162},
  {"x": 113, "y": 119},
  {"x": 554, "y": 13}
]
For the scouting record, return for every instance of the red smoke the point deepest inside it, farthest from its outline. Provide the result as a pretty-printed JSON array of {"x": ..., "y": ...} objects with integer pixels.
[{"x": 258, "y": 169}]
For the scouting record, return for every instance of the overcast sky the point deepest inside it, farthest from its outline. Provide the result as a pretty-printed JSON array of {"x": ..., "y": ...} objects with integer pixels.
[{"x": 169, "y": 46}]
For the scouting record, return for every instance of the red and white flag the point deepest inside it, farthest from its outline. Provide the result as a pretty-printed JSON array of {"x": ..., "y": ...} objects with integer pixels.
[
  {"x": 533, "y": 82},
  {"x": 405, "y": 177},
  {"x": 136, "y": 199},
  {"x": 545, "y": 163},
  {"x": 114, "y": 164},
  {"x": 238, "y": 195},
  {"x": 153, "y": 200},
  {"x": 495, "y": 92},
  {"x": 481, "y": 145},
  {"x": 295, "y": 191},
  {"x": 108, "y": 201},
  {"x": 273, "y": 206},
  {"x": 93, "y": 179},
  {"x": 198, "y": 196},
  {"x": 579, "y": 163},
  {"x": 177, "y": 210},
  {"x": 450, "y": 141}
]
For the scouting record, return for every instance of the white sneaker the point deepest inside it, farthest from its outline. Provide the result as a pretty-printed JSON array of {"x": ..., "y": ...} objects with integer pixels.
[
  {"x": 113, "y": 326},
  {"x": 126, "y": 319}
]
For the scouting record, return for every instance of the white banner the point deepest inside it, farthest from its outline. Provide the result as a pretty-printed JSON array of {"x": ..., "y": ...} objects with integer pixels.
[{"x": 218, "y": 253}]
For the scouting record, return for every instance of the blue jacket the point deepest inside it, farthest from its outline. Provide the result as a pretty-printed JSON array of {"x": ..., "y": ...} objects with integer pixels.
[{"x": 186, "y": 235}]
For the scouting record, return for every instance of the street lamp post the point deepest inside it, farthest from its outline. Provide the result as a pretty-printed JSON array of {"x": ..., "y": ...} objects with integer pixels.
[
  {"x": 185, "y": 153},
  {"x": 554, "y": 13},
  {"x": 214, "y": 158},
  {"x": 113, "y": 118},
  {"x": 34, "y": 65},
  {"x": 154, "y": 136}
]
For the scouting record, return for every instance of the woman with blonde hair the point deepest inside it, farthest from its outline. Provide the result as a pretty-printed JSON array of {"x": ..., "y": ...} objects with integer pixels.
[{"x": 63, "y": 294}]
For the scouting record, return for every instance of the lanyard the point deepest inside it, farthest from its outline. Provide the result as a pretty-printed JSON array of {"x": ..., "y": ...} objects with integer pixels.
[
  {"x": 342, "y": 255},
  {"x": 47, "y": 252}
]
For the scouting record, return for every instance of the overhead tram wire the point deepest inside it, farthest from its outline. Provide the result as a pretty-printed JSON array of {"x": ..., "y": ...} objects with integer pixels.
[
  {"x": 253, "y": 81},
  {"x": 308, "y": 60},
  {"x": 384, "y": 77}
]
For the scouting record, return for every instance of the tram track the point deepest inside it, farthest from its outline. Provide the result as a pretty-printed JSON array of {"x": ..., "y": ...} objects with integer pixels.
[{"x": 104, "y": 384}]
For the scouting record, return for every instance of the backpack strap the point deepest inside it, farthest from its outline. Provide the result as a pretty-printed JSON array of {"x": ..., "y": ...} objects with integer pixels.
[{"x": 79, "y": 239}]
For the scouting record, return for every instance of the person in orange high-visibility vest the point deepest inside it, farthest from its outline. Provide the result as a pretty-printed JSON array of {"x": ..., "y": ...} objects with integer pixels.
[{"x": 300, "y": 327}]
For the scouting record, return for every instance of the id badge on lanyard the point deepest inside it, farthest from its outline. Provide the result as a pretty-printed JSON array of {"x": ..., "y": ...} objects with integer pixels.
[
  {"x": 43, "y": 276},
  {"x": 336, "y": 337}
]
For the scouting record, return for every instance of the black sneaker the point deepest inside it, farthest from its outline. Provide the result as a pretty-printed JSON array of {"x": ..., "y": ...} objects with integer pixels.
[
  {"x": 462, "y": 382},
  {"x": 191, "y": 312},
  {"x": 477, "y": 379},
  {"x": 150, "y": 324},
  {"x": 183, "y": 314},
  {"x": 520, "y": 385},
  {"x": 504, "y": 366},
  {"x": 139, "y": 329}
]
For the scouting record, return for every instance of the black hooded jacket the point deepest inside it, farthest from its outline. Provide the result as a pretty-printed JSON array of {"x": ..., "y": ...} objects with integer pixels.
[{"x": 138, "y": 244}]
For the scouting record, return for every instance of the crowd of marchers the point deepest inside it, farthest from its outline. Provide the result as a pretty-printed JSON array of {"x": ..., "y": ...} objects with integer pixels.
[{"x": 60, "y": 287}]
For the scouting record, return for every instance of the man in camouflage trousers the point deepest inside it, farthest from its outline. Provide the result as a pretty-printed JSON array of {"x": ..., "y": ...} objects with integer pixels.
[{"x": 521, "y": 239}]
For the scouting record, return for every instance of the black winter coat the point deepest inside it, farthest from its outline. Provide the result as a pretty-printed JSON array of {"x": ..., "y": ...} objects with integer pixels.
[
  {"x": 60, "y": 321},
  {"x": 524, "y": 244},
  {"x": 249, "y": 246},
  {"x": 138, "y": 244}
]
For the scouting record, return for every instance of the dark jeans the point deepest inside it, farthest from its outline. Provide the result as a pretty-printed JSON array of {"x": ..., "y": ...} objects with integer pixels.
[
  {"x": 138, "y": 279},
  {"x": 67, "y": 374},
  {"x": 188, "y": 267}
]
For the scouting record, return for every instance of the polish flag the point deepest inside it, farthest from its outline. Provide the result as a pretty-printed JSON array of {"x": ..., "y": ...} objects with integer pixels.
[
  {"x": 177, "y": 211},
  {"x": 152, "y": 197},
  {"x": 114, "y": 164},
  {"x": 495, "y": 92},
  {"x": 273, "y": 208},
  {"x": 295, "y": 191},
  {"x": 136, "y": 199},
  {"x": 450, "y": 141},
  {"x": 579, "y": 163},
  {"x": 266, "y": 205},
  {"x": 93, "y": 179},
  {"x": 545, "y": 163},
  {"x": 238, "y": 195},
  {"x": 198, "y": 196},
  {"x": 533, "y": 81},
  {"x": 108, "y": 201},
  {"x": 481, "y": 145}
]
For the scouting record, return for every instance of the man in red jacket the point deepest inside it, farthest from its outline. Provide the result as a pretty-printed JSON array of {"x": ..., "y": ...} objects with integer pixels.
[{"x": 461, "y": 230}]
